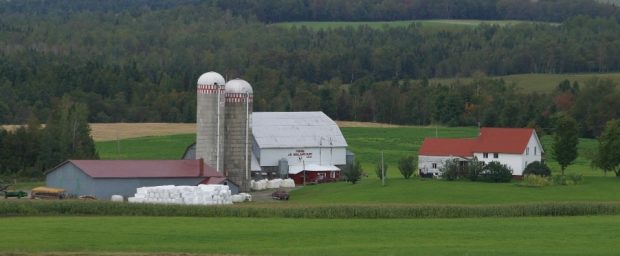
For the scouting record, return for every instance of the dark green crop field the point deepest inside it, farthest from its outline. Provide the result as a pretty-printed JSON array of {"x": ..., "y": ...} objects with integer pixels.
[{"x": 479, "y": 236}]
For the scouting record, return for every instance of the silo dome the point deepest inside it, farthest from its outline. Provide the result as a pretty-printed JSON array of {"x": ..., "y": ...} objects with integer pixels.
[
  {"x": 238, "y": 86},
  {"x": 211, "y": 78}
]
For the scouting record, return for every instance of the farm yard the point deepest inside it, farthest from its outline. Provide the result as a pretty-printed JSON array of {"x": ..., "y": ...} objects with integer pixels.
[{"x": 480, "y": 235}]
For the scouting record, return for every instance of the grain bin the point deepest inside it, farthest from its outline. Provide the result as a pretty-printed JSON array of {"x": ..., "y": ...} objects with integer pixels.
[
  {"x": 239, "y": 97},
  {"x": 210, "y": 119}
]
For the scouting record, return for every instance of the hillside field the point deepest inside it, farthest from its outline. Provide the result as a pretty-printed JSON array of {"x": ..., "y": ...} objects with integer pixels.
[
  {"x": 275, "y": 236},
  {"x": 537, "y": 82}
]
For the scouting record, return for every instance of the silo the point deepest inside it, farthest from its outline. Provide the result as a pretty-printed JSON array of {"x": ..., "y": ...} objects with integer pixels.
[
  {"x": 238, "y": 148},
  {"x": 210, "y": 119}
]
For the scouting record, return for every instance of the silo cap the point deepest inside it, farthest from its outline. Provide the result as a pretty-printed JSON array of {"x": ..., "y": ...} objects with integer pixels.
[
  {"x": 238, "y": 86},
  {"x": 211, "y": 78}
]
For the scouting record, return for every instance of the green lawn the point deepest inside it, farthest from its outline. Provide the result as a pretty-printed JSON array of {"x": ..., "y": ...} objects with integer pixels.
[
  {"x": 152, "y": 147},
  {"x": 538, "y": 82},
  {"x": 480, "y": 236},
  {"x": 422, "y": 191},
  {"x": 426, "y": 25},
  {"x": 367, "y": 143}
]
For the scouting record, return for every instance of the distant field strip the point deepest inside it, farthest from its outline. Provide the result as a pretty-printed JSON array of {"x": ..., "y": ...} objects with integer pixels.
[
  {"x": 276, "y": 236},
  {"x": 538, "y": 82},
  {"x": 431, "y": 25}
]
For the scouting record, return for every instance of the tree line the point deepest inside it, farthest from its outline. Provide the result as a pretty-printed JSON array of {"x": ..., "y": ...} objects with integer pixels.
[
  {"x": 141, "y": 65},
  {"x": 371, "y": 10},
  {"x": 30, "y": 150}
]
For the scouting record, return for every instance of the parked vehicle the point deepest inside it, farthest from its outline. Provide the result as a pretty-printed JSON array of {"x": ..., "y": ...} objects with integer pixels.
[
  {"x": 18, "y": 194},
  {"x": 47, "y": 193},
  {"x": 280, "y": 195}
]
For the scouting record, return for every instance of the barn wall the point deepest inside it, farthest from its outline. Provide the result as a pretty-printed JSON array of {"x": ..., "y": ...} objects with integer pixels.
[
  {"x": 71, "y": 179},
  {"x": 321, "y": 156}
]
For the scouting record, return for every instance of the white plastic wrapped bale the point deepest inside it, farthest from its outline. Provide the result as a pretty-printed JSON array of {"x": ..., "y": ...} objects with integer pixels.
[
  {"x": 275, "y": 183},
  {"x": 287, "y": 183},
  {"x": 190, "y": 195},
  {"x": 238, "y": 198},
  {"x": 246, "y": 197},
  {"x": 117, "y": 198},
  {"x": 258, "y": 185}
]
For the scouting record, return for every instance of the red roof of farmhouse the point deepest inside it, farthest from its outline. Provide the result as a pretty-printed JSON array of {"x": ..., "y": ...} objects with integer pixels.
[
  {"x": 142, "y": 168},
  {"x": 447, "y": 147},
  {"x": 503, "y": 140},
  {"x": 491, "y": 140}
]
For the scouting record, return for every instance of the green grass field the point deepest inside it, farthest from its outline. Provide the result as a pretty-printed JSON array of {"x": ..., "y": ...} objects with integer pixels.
[
  {"x": 538, "y": 82},
  {"x": 426, "y": 25},
  {"x": 479, "y": 236},
  {"x": 422, "y": 191},
  {"x": 367, "y": 143}
]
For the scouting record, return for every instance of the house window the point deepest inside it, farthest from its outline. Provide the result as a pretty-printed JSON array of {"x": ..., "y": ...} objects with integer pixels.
[
  {"x": 485, "y": 155},
  {"x": 534, "y": 150},
  {"x": 527, "y": 151},
  {"x": 434, "y": 165},
  {"x": 495, "y": 155}
]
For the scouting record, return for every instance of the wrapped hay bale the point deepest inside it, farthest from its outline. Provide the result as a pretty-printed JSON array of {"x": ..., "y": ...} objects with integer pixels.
[{"x": 287, "y": 183}]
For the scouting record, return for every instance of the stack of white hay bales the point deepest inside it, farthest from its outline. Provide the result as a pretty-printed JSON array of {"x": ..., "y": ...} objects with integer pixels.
[
  {"x": 189, "y": 195},
  {"x": 272, "y": 184}
]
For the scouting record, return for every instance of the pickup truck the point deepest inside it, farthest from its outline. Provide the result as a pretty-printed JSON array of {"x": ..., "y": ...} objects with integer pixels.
[{"x": 280, "y": 195}]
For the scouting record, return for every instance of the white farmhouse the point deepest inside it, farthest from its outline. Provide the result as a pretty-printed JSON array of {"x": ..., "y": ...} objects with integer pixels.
[{"x": 514, "y": 147}]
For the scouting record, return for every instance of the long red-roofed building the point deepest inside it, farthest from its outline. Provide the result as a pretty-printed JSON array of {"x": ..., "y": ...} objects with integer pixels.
[
  {"x": 104, "y": 178},
  {"x": 514, "y": 147}
]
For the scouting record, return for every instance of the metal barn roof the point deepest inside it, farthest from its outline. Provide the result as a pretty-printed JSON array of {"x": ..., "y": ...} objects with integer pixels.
[
  {"x": 295, "y": 129},
  {"x": 141, "y": 168}
]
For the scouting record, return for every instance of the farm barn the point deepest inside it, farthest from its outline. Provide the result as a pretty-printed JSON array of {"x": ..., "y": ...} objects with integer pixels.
[
  {"x": 230, "y": 149},
  {"x": 104, "y": 178},
  {"x": 514, "y": 147},
  {"x": 305, "y": 146}
]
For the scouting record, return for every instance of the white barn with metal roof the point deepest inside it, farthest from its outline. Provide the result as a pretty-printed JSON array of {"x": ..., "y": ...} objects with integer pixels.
[{"x": 307, "y": 141}]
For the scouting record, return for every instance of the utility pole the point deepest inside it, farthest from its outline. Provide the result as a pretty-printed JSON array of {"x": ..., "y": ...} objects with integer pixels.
[{"x": 382, "y": 169}]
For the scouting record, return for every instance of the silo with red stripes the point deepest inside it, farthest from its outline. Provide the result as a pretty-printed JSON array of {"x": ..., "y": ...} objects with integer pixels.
[
  {"x": 210, "y": 119},
  {"x": 238, "y": 147}
]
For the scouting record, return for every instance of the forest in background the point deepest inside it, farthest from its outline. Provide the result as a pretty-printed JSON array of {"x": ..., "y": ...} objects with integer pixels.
[{"x": 138, "y": 61}]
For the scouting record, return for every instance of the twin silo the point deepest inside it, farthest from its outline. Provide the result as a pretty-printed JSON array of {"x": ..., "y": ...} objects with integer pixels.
[{"x": 223, "y": 126}]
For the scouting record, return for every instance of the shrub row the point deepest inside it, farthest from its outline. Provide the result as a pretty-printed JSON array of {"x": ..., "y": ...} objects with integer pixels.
[{"x": 100, "y": 208}]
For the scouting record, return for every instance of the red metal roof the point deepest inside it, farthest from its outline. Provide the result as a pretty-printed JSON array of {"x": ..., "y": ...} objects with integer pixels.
[
  {"x": 447, "y": 147},
  {"x": 491, "y": 140},
  {"x": 503, "y": 140},
  {"x": 142, "y": 168}
]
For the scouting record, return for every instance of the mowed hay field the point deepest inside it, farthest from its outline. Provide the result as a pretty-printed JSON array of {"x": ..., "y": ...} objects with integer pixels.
[
  {"x": 543, "y": 83},
  {"x": 275, "y": 236}
]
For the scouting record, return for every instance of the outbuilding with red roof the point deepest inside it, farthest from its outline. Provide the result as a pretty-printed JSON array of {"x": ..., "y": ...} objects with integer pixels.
[
  {"x": 104, "y": 178},
  {"x": 514, "y": 147}
]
